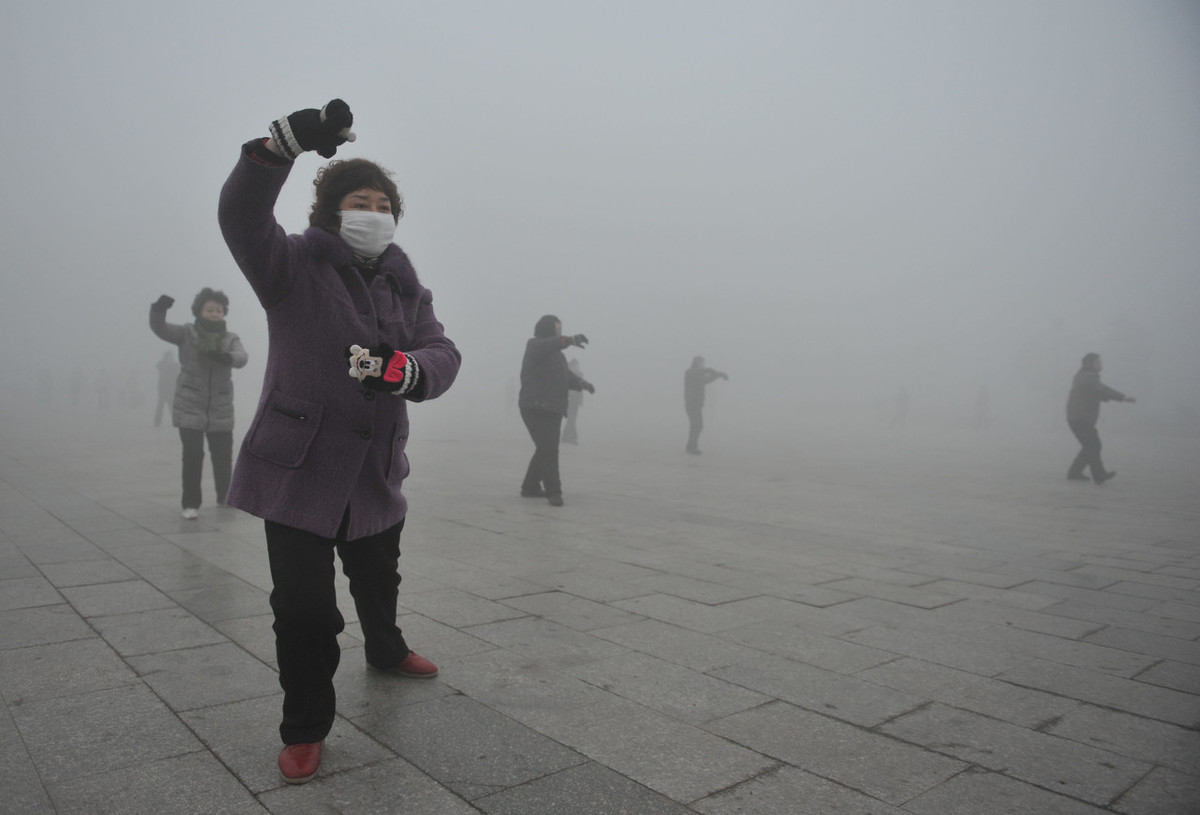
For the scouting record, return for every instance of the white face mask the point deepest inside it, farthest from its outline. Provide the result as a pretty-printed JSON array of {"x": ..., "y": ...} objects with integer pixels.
[{"x": 368, "y": 233}]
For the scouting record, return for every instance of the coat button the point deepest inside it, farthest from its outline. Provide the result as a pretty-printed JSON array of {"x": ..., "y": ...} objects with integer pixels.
[{"x": 366, "y": 434}]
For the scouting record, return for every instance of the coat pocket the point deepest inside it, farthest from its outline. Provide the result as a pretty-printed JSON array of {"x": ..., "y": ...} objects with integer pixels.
[
  {"x": 285, "y": 429},
  {"x": 397, "y": 469}
]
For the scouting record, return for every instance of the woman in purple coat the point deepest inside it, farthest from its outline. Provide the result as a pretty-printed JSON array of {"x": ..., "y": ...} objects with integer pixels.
[{"x": 352, "y": 340}]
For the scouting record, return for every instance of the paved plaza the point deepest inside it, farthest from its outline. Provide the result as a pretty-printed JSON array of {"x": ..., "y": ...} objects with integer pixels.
[{"x": 915, "y": 623}]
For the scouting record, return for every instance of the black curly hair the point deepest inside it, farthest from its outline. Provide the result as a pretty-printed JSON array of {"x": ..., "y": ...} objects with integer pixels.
[
  {"x": 337, "y": 179},
  {"x": 204, "y": 296}
]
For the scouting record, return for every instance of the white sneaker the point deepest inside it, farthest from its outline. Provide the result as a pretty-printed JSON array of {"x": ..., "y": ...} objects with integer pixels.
[{"x": 190, "y": 514}]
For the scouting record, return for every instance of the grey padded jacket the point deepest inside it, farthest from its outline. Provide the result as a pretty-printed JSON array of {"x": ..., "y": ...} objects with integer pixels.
[{"x": 204, "y": 389}]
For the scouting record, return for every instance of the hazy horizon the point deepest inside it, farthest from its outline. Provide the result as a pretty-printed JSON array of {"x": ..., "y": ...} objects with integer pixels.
[{"x": 829, "y": 201}]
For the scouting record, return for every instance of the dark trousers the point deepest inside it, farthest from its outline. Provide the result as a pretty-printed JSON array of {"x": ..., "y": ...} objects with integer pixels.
[
  {"x": 307, "y": 619},
  {"x": 695, "y": 425},
  {"x": 220, "y": 450},
  {"x": 1089, "y": 455},
  {"x": 544, "y": 428}
]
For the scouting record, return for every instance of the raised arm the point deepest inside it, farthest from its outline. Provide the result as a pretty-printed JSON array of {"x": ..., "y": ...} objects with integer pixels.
[
  {"x": 158, "y": 321},
  {"x": 246, "y": 212}
]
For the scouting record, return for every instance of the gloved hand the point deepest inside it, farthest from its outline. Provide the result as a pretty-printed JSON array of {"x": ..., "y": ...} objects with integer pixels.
[
  {"x": 220, "y": 357},
  {"x": 382, "y": 369},
  {"x": 322, "y": 130},
  {"x": 580, "y": 340},
  {"x": 589, "y": 387},
  {"x": 163, "y": 303}
]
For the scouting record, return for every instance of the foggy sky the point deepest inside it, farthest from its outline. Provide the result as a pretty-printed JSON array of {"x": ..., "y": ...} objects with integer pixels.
[{"x": 829, "y": 200}]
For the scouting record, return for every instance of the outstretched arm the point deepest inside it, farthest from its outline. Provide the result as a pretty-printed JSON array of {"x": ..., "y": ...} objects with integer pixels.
[{"x": 158, "y": 321}]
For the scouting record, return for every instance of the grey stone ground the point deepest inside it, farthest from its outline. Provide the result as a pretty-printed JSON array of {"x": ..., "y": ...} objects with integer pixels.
[{"x": 941, "y": 625}]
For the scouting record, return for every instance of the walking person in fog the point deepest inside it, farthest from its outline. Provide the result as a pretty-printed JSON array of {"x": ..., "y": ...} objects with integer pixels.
[
  {"x": 545, "y": 382},
  {"x": 168, "y": 372},
  {"x": 695, "y": 379},
  {"x": 1083, "y": 411},
  {"x": 203, "y": 404},
  {"x": 353, "y": 339}
]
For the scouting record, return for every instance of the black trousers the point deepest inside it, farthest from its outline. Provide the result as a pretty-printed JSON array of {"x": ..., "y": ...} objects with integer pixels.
[
  {"x": 220, "y": 450},
  {"x": 307, "y": 619},
  {"x": 695, "y": 425},
  {"x": 544, "y": 428},
  {"x": 1089, "y": 454}
]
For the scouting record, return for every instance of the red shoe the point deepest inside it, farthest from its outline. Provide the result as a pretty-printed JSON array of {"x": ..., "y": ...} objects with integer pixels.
[
  {"x": 415, "y": 666},
  {"x": 299, "y": 762}
]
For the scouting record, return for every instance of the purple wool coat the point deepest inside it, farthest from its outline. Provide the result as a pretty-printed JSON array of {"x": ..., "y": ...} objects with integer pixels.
[{"x": 320, "y": 444}]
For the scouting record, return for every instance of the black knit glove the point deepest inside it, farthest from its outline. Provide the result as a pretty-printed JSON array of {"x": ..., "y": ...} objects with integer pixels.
[
  {"x": 220, "y": 357},
  {"x": 382, "y": 369},
  {"x": 163, "y": 303},
  {"x": 322, "y": 130},
  {"x": 580, "y": 340}
]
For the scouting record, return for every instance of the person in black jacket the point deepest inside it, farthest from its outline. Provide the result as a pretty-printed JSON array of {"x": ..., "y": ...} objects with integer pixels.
[
  {"x": 545, "y": 381},
  {"x": 1083, "y": 411},
  {"x": 695, "y": 379}
]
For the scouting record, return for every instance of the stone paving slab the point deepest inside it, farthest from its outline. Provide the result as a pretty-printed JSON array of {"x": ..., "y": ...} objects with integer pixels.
[
  {"x": 98, "y": 732},
  {"x": 991, "y": 697},
  {"x": 1129, "y": 695},
  {"x": 978, "y": 792},
  {"x": 886, "y": 629},
  {"x": 195, "y": 782},
  {"x": 1159, "y": 743},
  {"x": 589, "y": 787},
  {"x": 1068, "y": 767},
  {"x": 875, "y": 765},
  {"x": 467, "y": 747},
  {"x": 788, "y": 789}
]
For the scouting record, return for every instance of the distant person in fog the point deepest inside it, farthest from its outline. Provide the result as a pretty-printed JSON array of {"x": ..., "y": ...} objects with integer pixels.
[
  {"x": 545, "y": 382},
  {"x": 570, "y": 433},
  {"x": 168, "y": 372},
  {"x": 203, "y": 402},
  {"x": 695, "y": 379},
  {"x": 1083, "y": 412}
]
